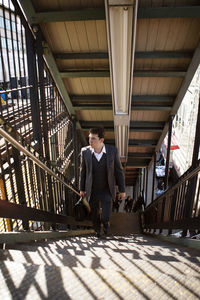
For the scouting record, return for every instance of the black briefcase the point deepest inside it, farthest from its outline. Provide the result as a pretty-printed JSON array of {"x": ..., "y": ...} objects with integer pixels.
[{"x": 80, "y": 210}]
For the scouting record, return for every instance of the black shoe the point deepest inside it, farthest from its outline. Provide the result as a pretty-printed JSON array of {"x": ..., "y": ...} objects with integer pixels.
[{"x": 98, "y": 234}]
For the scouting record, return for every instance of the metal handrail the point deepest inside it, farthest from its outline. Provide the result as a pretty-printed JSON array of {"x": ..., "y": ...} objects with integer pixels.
[
  {"x": 180, "y": 181},
  {"x": 19, "y": 147}
]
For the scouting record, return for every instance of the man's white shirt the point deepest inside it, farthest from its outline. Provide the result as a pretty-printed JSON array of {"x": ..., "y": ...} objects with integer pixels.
[{"x": 99, "y": 155}]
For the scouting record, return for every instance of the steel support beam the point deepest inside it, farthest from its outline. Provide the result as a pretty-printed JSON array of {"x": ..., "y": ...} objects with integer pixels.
[
  {"x": 134, "y": 125},
  {"x": 193, "y": 181},
  {"x": 109, "y": 107},
  {"x": 136, "y": 165},
  {"x": 91, "y": 99},
  {"x": 163, "y": 100},
  {"x": 138, "y": 54},
  {"x": 146, "y": 186},
  {"x": 70, "y": 15},
  {"x": 168, "y": 152},
  {"x": 169, "y": 12},
  {"x": 197, "y": 140},
  {"x": 136, "y": 142},
  {"x": 75, "y": 154},
  {"x": 154, "y": 175},
  {"x": 136, "y": 73},
  {"x": 32, "y": 77},
  {"x": 139, "y": 155},
  {"x": 99, "y": 14}
]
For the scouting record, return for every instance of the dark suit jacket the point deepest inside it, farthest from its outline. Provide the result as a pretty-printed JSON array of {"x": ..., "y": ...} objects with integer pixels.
[{"x": 114, "y": 170}]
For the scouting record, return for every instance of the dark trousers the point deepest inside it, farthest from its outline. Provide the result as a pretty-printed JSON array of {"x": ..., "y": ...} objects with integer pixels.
[{"x": 101, "y": 208}]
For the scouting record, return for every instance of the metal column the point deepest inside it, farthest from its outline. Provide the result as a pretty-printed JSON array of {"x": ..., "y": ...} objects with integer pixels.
[
  {"x": 154, "y": 175},
  {"x": 31, "y": 58},
  {"x": 193, "y": 182},
  {"x": 75, "y": 151},
  {"x": 40, "y": 63},
  {"x": 168, "y": 152},
  {"x": 146, "y": 188}
]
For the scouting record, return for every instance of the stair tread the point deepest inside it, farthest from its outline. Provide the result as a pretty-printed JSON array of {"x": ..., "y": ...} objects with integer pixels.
[
  {"x": 77, "y": 282},
  {"x": 129, "y": 267}
]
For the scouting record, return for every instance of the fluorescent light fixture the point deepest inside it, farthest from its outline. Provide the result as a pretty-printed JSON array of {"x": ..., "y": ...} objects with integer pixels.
[{"x": 121, "y": 28}]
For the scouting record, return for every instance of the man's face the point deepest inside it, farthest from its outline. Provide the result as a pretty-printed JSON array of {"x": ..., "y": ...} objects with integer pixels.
[{"x": 95, "y": 141}]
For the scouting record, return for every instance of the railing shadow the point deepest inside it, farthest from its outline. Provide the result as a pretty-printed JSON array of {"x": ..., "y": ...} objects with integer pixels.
[{"x": 129, "y": 267}]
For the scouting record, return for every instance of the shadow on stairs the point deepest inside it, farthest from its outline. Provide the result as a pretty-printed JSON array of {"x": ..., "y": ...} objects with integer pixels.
[{"x": 131, "y": 267}]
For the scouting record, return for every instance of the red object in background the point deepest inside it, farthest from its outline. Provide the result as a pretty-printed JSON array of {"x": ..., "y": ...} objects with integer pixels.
[{"x": 174, "y": 143}]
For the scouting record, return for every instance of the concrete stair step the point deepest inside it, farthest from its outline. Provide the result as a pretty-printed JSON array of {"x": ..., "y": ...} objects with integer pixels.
[
  {"x": 125, "y": 223},
  {"x": 29, "y": 281},
  {"x": 115, "y": 253}
]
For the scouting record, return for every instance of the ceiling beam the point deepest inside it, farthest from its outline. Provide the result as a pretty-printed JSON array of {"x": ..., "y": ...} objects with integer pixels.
[
  {"x": 163, "y": 54},
  {"x": 153, "y": 73},
  {"x": 70, "y": 15},
  {"x": 81, "y": 55},
  {"x": 136, "y": 165},
  {"x": 133, "y": 107},
  {"x": 138, "y": 54},
  {"x": 169, "y": 12},
  {"x": 139, "y": 155},
  {"x": 138, "y": 161},
  {"x": 167, "y": 99},
  {"x": 81, "y": 73},
  {"x": 91, "y": 98},
  {"x": 136, "y": 99},
  {"x": 142, "y": 143},
  {"x": 99, "y": 14},
  {"x": 136, "y": 142},
  {"x": 147, "y": 124},
  {"x": 136, "y": 73},
  {"x": 134, "y": 125}
]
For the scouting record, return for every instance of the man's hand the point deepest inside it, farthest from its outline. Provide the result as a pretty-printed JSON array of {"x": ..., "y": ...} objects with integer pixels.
[
  {"x": 82, "y": 194},
  {"x": 122, "y": 196}
]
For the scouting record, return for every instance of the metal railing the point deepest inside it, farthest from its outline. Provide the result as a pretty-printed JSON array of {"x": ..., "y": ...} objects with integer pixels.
[
  {"x": 27, "y": 195},
  {"x": 178, "y": 207},
  {"x": 33, "y": 114}
]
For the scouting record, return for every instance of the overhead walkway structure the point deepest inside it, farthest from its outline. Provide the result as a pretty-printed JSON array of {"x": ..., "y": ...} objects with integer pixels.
[{"x": 65, "y": 69}]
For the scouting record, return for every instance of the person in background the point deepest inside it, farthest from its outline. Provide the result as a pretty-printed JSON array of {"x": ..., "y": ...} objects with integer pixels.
[
  {"x": 128, "y": 204},
  {"x": 100, "y": 169},
  {"x": 117, "y": 202}
]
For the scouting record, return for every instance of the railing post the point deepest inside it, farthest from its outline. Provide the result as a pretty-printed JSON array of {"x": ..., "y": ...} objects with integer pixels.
[
  {"x": 146, "y": 188},
  {"x": 197, "y": 139},
  {"x": 31, "y": 60},
  {"x": 40, "y": 63},
  {"x": 168, "y": 152},
  {"x": 75, "y": 151},
  {"x": 154, "y": 175},
  {"x": 4, "y": 197},
  {"x": 19, "y": 180},
  {"x": 193, "y": 182}
]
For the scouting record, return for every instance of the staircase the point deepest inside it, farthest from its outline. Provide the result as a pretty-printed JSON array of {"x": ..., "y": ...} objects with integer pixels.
[{"x": 132, "y": 266}]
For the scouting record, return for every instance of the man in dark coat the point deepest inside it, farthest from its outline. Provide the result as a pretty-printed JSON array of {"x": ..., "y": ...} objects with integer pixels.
[{"x": 100, "y": 171}]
